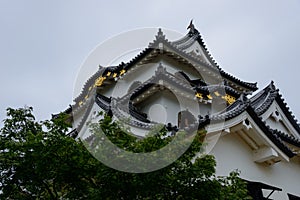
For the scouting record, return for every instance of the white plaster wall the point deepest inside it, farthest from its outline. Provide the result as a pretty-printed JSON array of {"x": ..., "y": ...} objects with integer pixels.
[
  {"x": 277, "y": 125},
  {"x": 283, "y": 124},
  {"x": 197, "y": 49},
  {"x": 232, "y": 153},
  {"x": 172, "y": 105},
  {"x": 146, "y": 71},
  {"x": 173, "y": 67},
  {"x": 169, "y": 103}
]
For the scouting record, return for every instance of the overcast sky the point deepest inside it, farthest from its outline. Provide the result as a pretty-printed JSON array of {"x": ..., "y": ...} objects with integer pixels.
[{"x": 44, "y": 43}]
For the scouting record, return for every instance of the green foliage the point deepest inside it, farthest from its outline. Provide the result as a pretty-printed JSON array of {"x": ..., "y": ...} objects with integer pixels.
[
  {"x": 38, "y": 160},
  {"x": 233, "y": 187}
]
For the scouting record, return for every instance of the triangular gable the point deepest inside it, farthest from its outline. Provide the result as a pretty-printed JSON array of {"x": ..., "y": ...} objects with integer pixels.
[
  {"x": 193, "y": 44},
  {"x": 268, "y": 145},
  {"x": 270, "y": 105},
  {"x": 161, "y": 46}
]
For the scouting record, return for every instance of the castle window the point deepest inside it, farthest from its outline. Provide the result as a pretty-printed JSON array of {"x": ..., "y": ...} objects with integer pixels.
[{"x": 185, "y": 118}]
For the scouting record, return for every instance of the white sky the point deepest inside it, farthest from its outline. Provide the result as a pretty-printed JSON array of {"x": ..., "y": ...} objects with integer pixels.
[{"x": 43, "y": 43}]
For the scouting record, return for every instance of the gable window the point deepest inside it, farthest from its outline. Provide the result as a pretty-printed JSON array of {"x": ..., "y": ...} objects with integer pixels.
[{"x": 185, "y": 118}]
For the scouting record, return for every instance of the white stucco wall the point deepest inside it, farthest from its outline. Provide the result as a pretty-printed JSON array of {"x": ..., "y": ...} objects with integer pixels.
[{"x": 232, "y": 153}]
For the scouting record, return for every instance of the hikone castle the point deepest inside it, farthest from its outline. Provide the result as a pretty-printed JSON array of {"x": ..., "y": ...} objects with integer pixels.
[{"x": 258, "y": 133}]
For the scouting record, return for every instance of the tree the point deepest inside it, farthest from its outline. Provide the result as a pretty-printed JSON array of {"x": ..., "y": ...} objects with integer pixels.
[{"x": 38, "y": 160}]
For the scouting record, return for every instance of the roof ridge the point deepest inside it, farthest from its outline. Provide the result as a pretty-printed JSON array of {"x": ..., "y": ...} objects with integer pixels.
[
  {"x": 286, "y": 110},
  {"x": 233, "y": 110},
  {"x": 268, "y": 95},
  {"x": 270, "y": 133},
  {"x": 89, "y": 83},
  {"x": 287, "y": 138},
  {"x": 201, "y": 42}
]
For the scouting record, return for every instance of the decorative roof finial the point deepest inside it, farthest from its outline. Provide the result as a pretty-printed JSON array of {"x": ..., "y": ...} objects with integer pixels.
[
  {"x": 192, "y": 28},
  {"x": 160, "y": 34}
]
